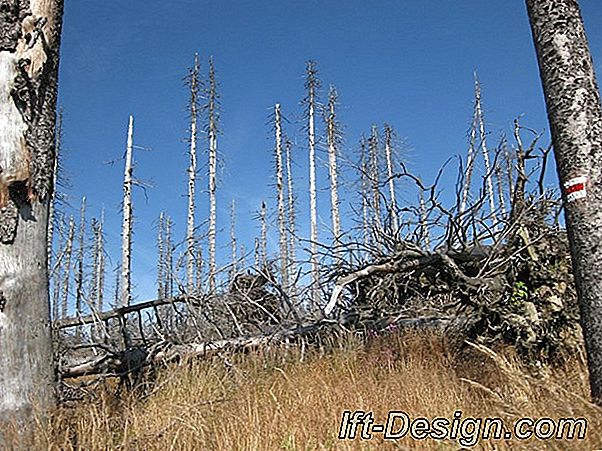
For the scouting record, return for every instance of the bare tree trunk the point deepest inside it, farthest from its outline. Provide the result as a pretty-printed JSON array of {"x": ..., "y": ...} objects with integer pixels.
[
  {"x": 29, "y": 58},
  {"x": 126, "y": 230},
  {"x": 292, "y": 238},
  {"x": 233, "y": 244},
  {"x": 161, "y": 257},
  {"x": 575, "y": 115},
  {"x": 168, "y": 259},
  {"x": 391, "y": 179},
  {"x": 311, "y": 84},
  {"x": 199, "y": 269},
  {"x": 97, "y": 294},
  {"x": 263, "y": 244},
  {"x": 280, "y": 195},
  {"x": 334, "y": 138},
  {"x": 485, "y": 150},
  {"x": 470, "y": 160},
  {"x": 365, "y": 191},
  {"x": 374, "y": 176},
  {"x": 193, "y": 82},
  {"x": 79, "y": 274},
  {"x": 58, "y": 275},
  {"x": 67, "y": 267},
  {"x": 55, "y": 172},
  {"x": 212, "y": 133}
]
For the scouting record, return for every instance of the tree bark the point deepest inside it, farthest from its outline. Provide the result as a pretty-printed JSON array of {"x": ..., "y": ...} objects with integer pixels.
[
  {"x": 126, "y": 230},
  {"x": 575, "y": 115},
  {"x": 193, "y": 82},
  {"x": 29, "y": 55}
]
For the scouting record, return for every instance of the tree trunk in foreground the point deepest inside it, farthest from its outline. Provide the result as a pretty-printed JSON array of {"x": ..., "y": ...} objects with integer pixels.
[
  {"x": 29, "y": 55},
  {"x": 575, "y": 115}
]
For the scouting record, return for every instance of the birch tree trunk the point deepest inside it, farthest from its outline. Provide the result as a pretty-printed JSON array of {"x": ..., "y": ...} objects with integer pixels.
[
  {"x": 193, "y": 82},
  {"x": 29, "y": 56},
  {"x": 126, "y": 230},
  {"x": 575, "y": 115}
]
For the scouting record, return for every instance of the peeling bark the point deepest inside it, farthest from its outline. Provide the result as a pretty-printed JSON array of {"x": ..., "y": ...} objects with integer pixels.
[
  {"x": 575, "y": 115},
  {"x": 29, "y": 55}
]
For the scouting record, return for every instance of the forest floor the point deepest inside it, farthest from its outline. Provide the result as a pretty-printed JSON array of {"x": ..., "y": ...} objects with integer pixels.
[{"x": 285, "y": 399}]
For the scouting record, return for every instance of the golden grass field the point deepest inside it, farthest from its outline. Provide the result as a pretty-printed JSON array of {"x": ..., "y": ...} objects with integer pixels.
[{"x": 280, "y": 399}]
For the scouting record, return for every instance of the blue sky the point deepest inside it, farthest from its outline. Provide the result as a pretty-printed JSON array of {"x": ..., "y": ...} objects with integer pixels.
[{"x": 408, "y": 63}]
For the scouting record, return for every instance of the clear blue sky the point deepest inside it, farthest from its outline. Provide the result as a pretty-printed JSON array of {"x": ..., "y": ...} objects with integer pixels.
[{"x": 409, "y": 63}]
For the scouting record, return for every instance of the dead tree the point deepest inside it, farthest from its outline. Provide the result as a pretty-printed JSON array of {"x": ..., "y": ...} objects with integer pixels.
[
  {"x": 575, "y": 115},
  {"x": 212, "y": 132},
  {"x": 312, "y": 84},
  {"x": 161, "y": 256},
  {"x": 374, "y": 176},
  {"x": 169, "y": 269},
  {"x": 282, "y": 230},
  {"x": 192, "y": 81},
  {"x": 98, "y": 266},
  {"x": 263, "y": 239},
  {"x": 55, "y": 175},
  {"x": 29, "y": 58},
  {"x": 364, "y": 168},
  {"x": 333, "y": 134},
  {"x": 57, "y": 270},
  {"x": 470, "y": 162},
  {"x": 389, "y": 139},
  {"x": 67, "y": 267},
  {"x": 81, "y": 252},
  {"x": 233, "y": 243},
  {"x": 485, "y": 150},
  {"x": 127, "y": 226},
  {"x": 291, "y": 215}
]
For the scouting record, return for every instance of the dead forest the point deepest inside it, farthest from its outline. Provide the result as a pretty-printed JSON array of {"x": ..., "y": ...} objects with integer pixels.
[{"x": 485, "y": 258}]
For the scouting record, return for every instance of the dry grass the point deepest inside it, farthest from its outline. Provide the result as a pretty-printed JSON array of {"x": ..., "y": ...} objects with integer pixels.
[{"x": 273, "y": 401}]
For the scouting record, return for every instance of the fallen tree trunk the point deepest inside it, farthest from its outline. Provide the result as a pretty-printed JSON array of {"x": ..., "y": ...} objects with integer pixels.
[{"x": 132, "y": 360}]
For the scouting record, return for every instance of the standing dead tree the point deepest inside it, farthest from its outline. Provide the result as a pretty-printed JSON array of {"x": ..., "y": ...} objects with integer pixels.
[
  {"x": 161, "y": 256},
  {"x": 56, "y": 164},
  {"x": 212, "y": 107},
  {"x": 192, "y": 81},
  {"x": 389, "y": 143},
  {"x": 312, "y": 84},
  {"x": 29, "y": 59},
  {"x": 484, "y": 149},
  {"x": 291, "y": 215},
  {"x": 575, "y": 114},
  {"x": 67, "y": 267},
  {"x": 98, "y": 265},
  {"x": 81, "y": 253},
  {"x": 282, "y": 229},
  {"x": 233, "y": 242},
  {"x": 127, "y": 226},
  {"x": 333, "y": 134}
]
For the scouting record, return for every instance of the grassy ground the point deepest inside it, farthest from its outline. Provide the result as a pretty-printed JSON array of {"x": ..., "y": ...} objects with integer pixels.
[{"x": 282, "y": 400}]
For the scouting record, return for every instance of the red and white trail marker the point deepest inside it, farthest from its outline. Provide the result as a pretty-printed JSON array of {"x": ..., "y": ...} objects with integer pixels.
[{"x": 575, "y": 188}]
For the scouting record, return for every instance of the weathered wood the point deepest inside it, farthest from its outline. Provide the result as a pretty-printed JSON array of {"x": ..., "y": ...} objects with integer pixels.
[
  {"x": 116, "y": 313},
  {"x": 29, "y": 55},
  {"x": 575, "y": 115}
]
